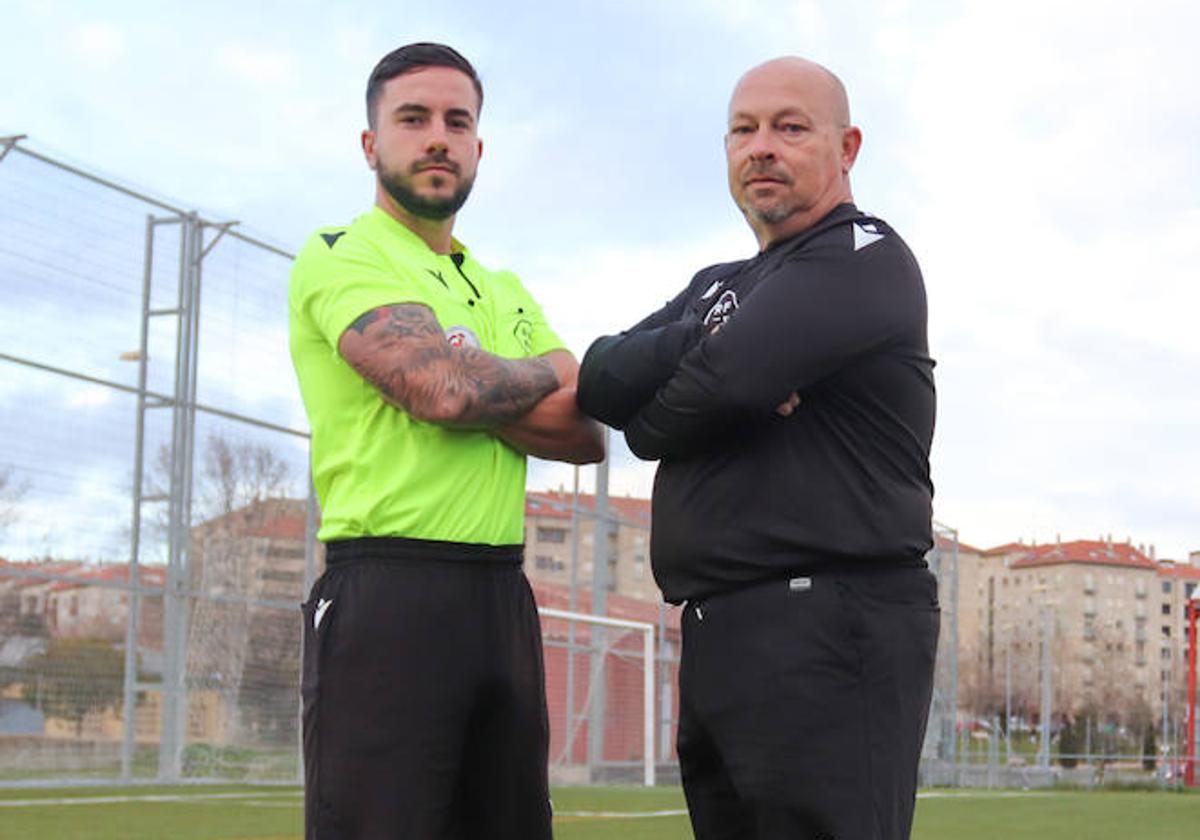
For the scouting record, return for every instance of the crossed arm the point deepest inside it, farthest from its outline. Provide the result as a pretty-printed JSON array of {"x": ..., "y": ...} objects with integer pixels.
[{"x": 402, "y": 351}]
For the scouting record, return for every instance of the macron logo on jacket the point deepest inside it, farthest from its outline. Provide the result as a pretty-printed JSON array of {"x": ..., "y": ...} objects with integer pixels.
[{"x": 865, "y": 233}]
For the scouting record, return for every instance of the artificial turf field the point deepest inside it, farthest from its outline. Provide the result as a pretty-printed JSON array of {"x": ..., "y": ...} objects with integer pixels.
[{"x": 273, "y": 813}]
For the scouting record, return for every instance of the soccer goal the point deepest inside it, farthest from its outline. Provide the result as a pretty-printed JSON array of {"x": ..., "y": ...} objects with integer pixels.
[{"x": 600, "y": 723}]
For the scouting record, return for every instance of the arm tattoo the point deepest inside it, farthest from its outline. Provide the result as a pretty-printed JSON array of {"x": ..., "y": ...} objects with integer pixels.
[
  {"x": 402, "y": 351},
  {"x": 365, "y": 320}
]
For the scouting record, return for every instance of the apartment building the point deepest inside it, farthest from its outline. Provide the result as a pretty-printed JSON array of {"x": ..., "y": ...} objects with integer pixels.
[
  {"x": 1112, "y": 618},
  {"x": 549, "y": 543}
]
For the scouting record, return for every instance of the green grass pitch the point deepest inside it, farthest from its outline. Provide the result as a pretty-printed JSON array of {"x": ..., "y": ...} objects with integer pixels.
[{"x": 273, "y": 813}]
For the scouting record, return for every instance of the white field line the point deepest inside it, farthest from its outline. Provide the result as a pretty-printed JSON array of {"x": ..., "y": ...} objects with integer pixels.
[
  {"x": 621, "y": 815},
  {"x": 152, "y": 797},
  {"x": 980, "y": 794},
  {"x": 260, "y": 795}
]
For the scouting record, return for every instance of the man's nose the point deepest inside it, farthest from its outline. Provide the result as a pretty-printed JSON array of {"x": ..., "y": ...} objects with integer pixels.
[
  {"x": 760, "y": 147},
  {"x": 436, "y": 139}
]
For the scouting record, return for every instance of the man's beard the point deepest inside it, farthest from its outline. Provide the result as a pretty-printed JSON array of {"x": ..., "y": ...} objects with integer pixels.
[
  {"x": 776, "y": 210},
  {"x": 773, "y": 214},
  {"x": 399, "y": 187}
]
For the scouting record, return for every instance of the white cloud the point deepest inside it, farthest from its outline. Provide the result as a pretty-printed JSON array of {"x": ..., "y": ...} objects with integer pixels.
[
  {"x": 99, "y": 45},
  {"x": 258, "y": 65},
  {"x": 778, "y": 24},
  {"x": 88, "y": 396}
]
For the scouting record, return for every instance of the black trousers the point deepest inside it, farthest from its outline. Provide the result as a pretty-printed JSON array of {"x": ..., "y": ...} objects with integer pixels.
[
  {"x": 424, "y": 708},
  {"x": 803, "y": 705}
]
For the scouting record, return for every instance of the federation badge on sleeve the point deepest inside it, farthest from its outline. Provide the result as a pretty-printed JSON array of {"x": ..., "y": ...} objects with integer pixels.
[{"x": 462, "y": 337}]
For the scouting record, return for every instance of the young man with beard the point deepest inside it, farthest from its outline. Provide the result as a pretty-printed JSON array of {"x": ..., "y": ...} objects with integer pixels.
[
  {"x": 427, "y": 379},
  {"x": 790, "y": 400}
]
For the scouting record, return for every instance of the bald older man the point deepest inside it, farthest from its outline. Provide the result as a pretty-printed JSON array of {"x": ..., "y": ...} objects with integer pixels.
[{"x": 790, "y": 400}]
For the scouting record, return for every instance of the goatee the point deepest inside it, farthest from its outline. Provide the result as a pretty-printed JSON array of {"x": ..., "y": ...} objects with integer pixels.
[{"x": 399, "y": 187}]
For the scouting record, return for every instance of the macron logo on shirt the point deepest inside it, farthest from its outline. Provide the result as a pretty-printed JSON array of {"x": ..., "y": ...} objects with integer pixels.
[{"x": 865, "y": 233}]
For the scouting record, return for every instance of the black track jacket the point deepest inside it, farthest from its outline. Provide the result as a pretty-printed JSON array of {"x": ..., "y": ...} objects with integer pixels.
[{"x": 835, "y": 314}]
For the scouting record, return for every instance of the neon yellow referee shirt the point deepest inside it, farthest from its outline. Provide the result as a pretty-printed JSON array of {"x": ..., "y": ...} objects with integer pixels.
[{"x": 377, "y": 471}]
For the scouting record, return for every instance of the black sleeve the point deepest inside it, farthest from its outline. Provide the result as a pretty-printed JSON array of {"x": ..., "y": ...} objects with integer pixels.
[
  {"x": 807, "y": 319},
  {"x": 621, "y": 373}
]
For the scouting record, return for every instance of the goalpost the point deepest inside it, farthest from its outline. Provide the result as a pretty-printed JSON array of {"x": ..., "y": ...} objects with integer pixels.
[{"x": 647, "y": 631}]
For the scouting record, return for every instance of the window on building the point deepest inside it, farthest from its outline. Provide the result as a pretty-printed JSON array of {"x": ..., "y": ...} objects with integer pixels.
[
  {"x": 551, "y": 535},
  {"x": 1166, "y": 609},
  {"x": 548, "y": 563},
  {"x": 1166, "y": 630},
  {"x": 1188, "y": 589}
]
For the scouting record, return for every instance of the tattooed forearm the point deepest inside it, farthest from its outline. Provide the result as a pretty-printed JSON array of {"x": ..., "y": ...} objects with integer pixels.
[
  {"x": 365, "y": 320},
  {"x": 402, "y": 351}
]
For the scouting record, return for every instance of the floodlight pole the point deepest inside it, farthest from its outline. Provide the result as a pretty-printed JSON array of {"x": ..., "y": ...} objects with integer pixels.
[
  {"x": 1191, "y": 736},
  {"x": 1044, "y": 744},
  {"x": 1008, "y": 695}
]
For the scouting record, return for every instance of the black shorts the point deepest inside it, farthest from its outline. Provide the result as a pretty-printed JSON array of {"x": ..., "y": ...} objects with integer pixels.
[
  {"x": 424, "y": 710},
  {"x": 803, "y": 706}
]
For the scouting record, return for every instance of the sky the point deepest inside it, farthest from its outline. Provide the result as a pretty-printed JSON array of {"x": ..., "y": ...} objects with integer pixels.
[{"x": 1038, "y": 157}]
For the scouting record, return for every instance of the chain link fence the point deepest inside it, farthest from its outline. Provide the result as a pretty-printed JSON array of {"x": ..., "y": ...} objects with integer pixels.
[
  {"x": 152, "y": 551},
  {"x": 156, "y": 521}
]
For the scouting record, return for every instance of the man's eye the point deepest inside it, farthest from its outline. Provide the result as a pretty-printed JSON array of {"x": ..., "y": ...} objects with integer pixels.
[
  {"x": 792, "y": 128},
  {"x": 741, "y": 129}
]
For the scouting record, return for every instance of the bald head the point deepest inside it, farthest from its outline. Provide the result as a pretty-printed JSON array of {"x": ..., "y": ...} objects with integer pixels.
[
  {"x": 825, "y": 91},
  {"x": 790, "y": 146}
]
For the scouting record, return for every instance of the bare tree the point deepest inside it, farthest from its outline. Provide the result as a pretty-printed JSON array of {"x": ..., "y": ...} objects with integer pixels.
[
  {"x": 11, "y": 494},
  {"x": 237, "y": 474},
  {"x": 231, "y": 475}
]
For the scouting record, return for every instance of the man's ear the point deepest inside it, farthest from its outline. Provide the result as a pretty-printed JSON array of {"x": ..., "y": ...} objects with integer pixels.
[
  {"x": 368, "y": 147},
  {"x": 851, "y": 143}
]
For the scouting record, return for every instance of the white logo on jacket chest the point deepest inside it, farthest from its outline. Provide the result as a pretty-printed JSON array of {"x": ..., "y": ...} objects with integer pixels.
[
  {"x": 462, "y": 337},
  {"x": 722, "y": 310}
]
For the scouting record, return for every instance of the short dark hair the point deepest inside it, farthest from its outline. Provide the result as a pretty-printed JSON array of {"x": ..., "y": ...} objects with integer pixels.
[{"x": 412, "y": 57}]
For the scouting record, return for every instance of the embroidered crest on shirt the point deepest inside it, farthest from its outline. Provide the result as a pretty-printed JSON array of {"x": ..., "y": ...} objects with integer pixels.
[
  {"x": 722, "y": 310},
  {"x": 462, "y": 337},
  {"x": 523, "y": 332}
]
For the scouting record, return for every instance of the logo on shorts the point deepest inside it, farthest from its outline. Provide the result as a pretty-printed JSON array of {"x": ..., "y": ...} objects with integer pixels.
[
  {"x": 722, "y": 310},
  {"x": 800, "y": 584},
  {"x": 462, "y": 337},
  {"x": 319, "y": 612}
]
